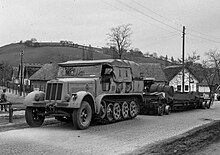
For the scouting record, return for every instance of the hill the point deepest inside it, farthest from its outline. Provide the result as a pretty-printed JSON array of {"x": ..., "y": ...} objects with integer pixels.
[{"x": 46, "y": 54}]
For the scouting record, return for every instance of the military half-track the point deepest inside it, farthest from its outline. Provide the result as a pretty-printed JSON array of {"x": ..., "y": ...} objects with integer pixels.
[{"x": 84, "y": 91}]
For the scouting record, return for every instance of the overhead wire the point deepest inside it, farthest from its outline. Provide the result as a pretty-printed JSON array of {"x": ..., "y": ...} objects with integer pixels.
[
  {"x": 136, "y": 17},
  {"x": 173, "y": 21},
  {"x": 146, "y": 15}
]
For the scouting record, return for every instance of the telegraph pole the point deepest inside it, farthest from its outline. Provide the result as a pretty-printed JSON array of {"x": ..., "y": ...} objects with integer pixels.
[
  {"x": 21, "y": 82},
  {"x": 183, "y": 57}
]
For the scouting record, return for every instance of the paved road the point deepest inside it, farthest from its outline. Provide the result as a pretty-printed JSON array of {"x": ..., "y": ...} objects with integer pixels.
[{"x": 117, "y": 138}]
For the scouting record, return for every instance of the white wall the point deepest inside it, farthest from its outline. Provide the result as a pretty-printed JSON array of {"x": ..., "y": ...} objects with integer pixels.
[{"x": 189, "y": 80}]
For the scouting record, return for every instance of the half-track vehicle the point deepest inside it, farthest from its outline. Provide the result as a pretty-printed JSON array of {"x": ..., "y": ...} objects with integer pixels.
[{"x": 87, "y": 90}]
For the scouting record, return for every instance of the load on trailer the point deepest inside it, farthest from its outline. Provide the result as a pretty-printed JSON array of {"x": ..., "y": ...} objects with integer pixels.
[{"x": 101, "y": 90}]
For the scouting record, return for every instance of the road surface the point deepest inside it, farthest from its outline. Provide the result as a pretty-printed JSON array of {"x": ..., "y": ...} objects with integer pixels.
[{"x": 118, "y": 138}]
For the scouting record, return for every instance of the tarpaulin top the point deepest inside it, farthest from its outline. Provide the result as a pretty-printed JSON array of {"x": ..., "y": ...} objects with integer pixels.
[{"x": 111, "y": 62}]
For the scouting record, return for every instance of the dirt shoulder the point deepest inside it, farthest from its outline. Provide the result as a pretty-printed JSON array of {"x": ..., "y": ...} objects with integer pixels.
[{"x": 190, "y": 142}]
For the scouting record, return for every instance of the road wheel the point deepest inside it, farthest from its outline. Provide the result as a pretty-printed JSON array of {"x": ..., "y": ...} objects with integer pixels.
[
  {"x": 82, "y": 117},
  {"x": 116, "y": 111},
  {"x": 110, "y": 112},
  {"x": 167, "y": 109},
  {"x": 160, "y": 111},
  {"x": 125, "y": 110},
  {"x": 133, "y": 109},
  {"x": 32, "y": 116},
  {"x": 103, "y": 110},
  {"x": 63, "y": 118}
]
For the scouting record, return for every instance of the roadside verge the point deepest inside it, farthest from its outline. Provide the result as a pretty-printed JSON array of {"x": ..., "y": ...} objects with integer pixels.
[{"x": 186, "y": 143}]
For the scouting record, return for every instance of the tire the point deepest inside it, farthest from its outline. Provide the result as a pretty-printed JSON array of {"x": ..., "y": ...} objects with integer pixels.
[
  {"x": 160, "y": 111},
  {"x": 208, "y": 105},
  {"x": 167, "y": 110},
  {"x": 32, "y": 116},
  {"x": 82, "y": 117},
  {"x": 204, "y": 105}
]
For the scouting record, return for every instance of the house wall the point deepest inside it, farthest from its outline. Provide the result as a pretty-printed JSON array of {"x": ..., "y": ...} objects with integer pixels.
[
  {"x": 41, "y": 85},
  {"x": 204, "y": 89},
  {"x": 190, "y": 82}
]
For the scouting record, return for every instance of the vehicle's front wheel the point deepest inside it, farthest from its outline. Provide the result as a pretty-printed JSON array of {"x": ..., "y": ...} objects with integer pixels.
[
  {"x": 82, "y": 117},
  {"x": 34, "y": 116}
]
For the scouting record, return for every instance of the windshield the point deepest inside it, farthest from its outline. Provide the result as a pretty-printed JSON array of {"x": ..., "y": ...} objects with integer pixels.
[{"x": 83, "y": 71}]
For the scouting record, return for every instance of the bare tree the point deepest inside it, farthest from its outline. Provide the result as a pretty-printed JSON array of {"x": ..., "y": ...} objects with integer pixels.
[
  {"x": 119, "y": 37},
  {"x": 214, "y": 60}
]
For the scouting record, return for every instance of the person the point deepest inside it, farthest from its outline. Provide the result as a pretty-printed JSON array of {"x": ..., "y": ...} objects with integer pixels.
[{"x": 4, "y": 99}]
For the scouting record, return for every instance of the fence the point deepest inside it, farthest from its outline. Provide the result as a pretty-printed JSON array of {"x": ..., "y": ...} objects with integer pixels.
[{"x": 14, "y": 88}]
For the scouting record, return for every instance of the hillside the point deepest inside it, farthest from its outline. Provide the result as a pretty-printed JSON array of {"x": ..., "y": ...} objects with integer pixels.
[
  {"x": 11, "y": 54},
  {"x": 46, "y": 54}
]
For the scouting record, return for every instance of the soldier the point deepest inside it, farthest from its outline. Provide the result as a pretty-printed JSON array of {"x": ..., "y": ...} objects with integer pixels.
[{"x": 4, "y": 99}]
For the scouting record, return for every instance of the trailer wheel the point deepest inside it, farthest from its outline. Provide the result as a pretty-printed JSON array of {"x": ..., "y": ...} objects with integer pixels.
[
  {"x": 160, "y": 111},
  {"x": 204, "y": 105},
  {"x": 82, "y": 117},
  {"x": 208, "y": 105},
  {"x": 32, "y": 116},
  {"x": 167, "y": 109}
]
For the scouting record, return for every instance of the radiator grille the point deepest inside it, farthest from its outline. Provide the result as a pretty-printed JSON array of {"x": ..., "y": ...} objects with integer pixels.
[{"x": 54, "y": 91}]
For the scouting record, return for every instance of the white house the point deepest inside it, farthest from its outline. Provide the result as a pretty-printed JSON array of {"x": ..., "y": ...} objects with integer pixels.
[{"x": 174, "y": 76}]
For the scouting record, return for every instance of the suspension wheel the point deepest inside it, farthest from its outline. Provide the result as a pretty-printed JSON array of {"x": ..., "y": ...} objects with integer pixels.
[
  {"x": 125, "y": 110},
  {"x": 109, "y": 114},
  {"x": 116, "y": 111},
  {"x": 103, "y": 109},
  {"x": 133, "y": 109},
  {"x": 33, "y": 117},
  {"x": 82, "y": 117}
]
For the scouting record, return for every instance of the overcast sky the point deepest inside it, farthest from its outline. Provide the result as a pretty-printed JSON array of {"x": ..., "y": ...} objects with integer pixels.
[{"x": 156, "y": 24}]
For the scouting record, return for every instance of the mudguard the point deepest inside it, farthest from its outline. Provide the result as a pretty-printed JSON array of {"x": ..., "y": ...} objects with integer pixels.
[
  {"x": 75, "y": 102},
  {"x": 30, "y": 98}
]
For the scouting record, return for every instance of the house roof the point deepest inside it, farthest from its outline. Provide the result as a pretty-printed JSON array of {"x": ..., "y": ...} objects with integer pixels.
[
  {"x": 172, "y": 71},
  {"x": 47, "y": 72},
  {"x": 152, "y": 70}
]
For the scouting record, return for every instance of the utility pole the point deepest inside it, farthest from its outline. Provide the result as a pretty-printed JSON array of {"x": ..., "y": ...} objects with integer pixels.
[
  {"x": 183, "y": 57},
  {"x": 21, "y": 82}
]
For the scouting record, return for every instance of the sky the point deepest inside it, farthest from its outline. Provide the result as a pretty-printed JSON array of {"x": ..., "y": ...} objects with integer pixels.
[{"x": 156, "y": 24}]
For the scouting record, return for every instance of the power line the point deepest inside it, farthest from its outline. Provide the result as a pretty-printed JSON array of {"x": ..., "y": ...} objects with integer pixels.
[
  {"x": 211, "y": 40},
  {"x": 147, "y": 15},
  {"x": 136, "y": 17},
  {"x": 138, "y": 3},
  {"x": 203, "y": 34}
]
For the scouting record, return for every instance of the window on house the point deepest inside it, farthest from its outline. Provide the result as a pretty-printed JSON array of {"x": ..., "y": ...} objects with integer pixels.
[
  {"x": 186, "y": 88},
  {"x": 178, "y": 87}
]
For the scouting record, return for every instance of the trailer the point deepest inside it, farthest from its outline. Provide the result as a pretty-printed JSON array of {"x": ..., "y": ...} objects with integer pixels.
[{"x": 190, "y": 100}]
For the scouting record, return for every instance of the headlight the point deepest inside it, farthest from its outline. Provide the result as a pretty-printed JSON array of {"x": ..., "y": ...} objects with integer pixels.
[
  {"x": 37, "y": 97},
  {"x": 67, "y": 97}
]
